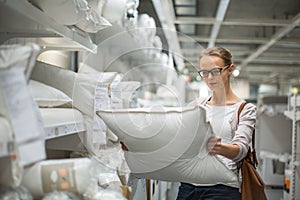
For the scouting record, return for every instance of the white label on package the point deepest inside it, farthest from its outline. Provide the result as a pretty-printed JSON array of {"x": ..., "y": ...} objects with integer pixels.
[
  {"x": 101, "y": 101},
  {"x": 21, "y": 108},
  {"x": 101, "y": 98}
]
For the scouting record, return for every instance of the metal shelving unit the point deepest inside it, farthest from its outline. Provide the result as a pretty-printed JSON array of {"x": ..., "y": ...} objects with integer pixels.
[
  {"x": 64, "y": 130},
  {"x": 19, "y": 18},
  {"x": 294, "y": 115}
]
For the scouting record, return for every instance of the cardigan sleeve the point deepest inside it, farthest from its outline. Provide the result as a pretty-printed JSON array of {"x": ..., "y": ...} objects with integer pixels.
[{"x": 244, "y": 130}]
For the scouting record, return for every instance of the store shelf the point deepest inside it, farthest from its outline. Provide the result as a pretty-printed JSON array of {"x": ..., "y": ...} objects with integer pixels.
[
  {"x": 64, "y": 130},
  {"x": 294, "y": 115},
  {"x": 291, "y": 115},
  {"x": 31, "y": 22}
]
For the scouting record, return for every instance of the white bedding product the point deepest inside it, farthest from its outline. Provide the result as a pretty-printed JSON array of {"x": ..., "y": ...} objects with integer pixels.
[
  {"x": 84, "y": 68},
  {"x": 128, "y": 93},
  {"x": 64, "y": 11},
  {"x": 168, "y": 144},
  {"x": 16, "y": 193},
  {"x": 16, "y": 56},
  {"x": 96, "y": 5},
  {"x": 81, "y": 87},
  {"x": 84, "y": 90},
  {"x": 93, "y": 22},
  {"x": 62, "y": 121},
  {"x": 57, "y": 77},
  {"x": 71, "y": 175},
  {"x": 19, "y": 56},
  {"x": 111, "y": 136},
  {"x": 47, "y": 96},
  {"x": 10, "y": 167},
  {"x": 87, "y": 95},
  {"x": 114, "y": 10}
]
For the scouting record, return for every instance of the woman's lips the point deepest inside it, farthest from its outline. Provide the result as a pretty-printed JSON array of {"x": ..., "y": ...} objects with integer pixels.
[{"x": 212, "y": 83}]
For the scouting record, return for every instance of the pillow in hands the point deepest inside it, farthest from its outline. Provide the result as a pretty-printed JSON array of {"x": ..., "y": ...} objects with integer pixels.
[{"x": 168, "y": 144}]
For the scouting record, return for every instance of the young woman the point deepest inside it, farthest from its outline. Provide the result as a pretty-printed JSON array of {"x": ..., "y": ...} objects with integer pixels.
[{"x": 232, "y": 136}]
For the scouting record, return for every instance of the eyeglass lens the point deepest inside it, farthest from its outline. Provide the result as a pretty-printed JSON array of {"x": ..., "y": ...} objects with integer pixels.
[{"x": 214, "y": 72}]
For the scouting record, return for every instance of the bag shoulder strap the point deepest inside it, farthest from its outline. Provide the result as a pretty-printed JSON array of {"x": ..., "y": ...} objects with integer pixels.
[
  {"x": 239, "y": 113},
  {"x": 254, "y": 158}
]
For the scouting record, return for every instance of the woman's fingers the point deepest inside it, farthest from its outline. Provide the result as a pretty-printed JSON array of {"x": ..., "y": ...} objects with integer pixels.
[{"x": 214, "y": 145}]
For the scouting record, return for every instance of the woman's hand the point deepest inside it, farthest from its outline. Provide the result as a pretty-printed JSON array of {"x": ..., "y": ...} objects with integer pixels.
[{"x": 214, "y": 145}]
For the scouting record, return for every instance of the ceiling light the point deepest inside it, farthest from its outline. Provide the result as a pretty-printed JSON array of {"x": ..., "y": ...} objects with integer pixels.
[{"x": 236, "y": 72}]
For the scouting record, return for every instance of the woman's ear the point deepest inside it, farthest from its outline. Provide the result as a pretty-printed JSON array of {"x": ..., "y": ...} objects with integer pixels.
[{"x": 231, "y": 69}]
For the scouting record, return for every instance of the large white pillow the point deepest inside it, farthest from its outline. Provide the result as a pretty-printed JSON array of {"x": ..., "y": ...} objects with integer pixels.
[
  {"x": 93, "y": 22},
  {"x": 85, "y": 90},
  {"x": 84, "y": 68},
  {"x": 64, "y": 11},
  {"x": 168, "y": 144},
  {"x": 47, "y": 96},
  {"x": 59, "y": 78},
  {"x": 81, "y": 87},
  {"x": 129, "y": 93}
]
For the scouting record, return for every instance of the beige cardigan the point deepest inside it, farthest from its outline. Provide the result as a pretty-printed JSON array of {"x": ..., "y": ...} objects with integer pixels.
[{"x": 242, "y": 132}]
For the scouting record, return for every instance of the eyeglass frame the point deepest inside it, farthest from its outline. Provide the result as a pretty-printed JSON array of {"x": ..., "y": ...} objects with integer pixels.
[{"x": 211, "y": 71}]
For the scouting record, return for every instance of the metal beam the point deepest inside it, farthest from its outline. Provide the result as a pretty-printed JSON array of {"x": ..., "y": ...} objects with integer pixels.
[
  {"x": 166, "y": 15},
  {"x": 277, "y": 36},
  {"x": 236, "y": 40},
  {"x": 222, "y": 8},
  {"x": 287, "y": 53},
  {"x": 232, "y": 22}
]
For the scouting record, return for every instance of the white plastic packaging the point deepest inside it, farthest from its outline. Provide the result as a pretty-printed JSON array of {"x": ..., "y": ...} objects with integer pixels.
[
  {"x": 71, "y": 175},
  {"x": 10, "y": 166}
]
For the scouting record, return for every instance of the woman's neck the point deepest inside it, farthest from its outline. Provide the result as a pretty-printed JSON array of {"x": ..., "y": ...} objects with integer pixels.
[{"x": 223, "y": 98}]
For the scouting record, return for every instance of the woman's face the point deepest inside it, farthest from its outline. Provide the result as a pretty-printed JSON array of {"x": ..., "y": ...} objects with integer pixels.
[{"x": 215, "y": 82}]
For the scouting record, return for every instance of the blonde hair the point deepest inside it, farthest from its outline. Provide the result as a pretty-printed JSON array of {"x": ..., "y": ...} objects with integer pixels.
[{"x": 220, "y": 52}]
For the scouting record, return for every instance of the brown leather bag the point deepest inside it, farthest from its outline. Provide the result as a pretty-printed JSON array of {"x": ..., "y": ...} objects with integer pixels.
[{"x": 252, "y": 184}]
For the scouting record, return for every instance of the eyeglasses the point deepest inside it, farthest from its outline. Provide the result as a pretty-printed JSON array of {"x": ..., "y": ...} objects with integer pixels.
[{"x": 214, "y": 72}]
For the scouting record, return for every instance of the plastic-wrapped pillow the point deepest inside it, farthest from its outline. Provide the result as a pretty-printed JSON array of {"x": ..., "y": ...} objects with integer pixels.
[
  {"x": 81, "y": 87},
  {"x": 85, "y": 87},
  {"x": 129, "y": 93},
  {"x": 64, "y": 11},
  {"x": 14, "y": 56},
  {"x": 114, "y": 10},
  {"x": 71, "y": 175},
  {"x": 47, "y": 96},
  {"x": 84, "y": 68},
  {"x": 93, "y": 22},
  {"x": 60, "y": 195},
  {"x": 15, "y": 193},
  {"x": 168, "y": 144},
  {"x": 57, "y": 77},
  {"x": 10, "y": 166}
]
